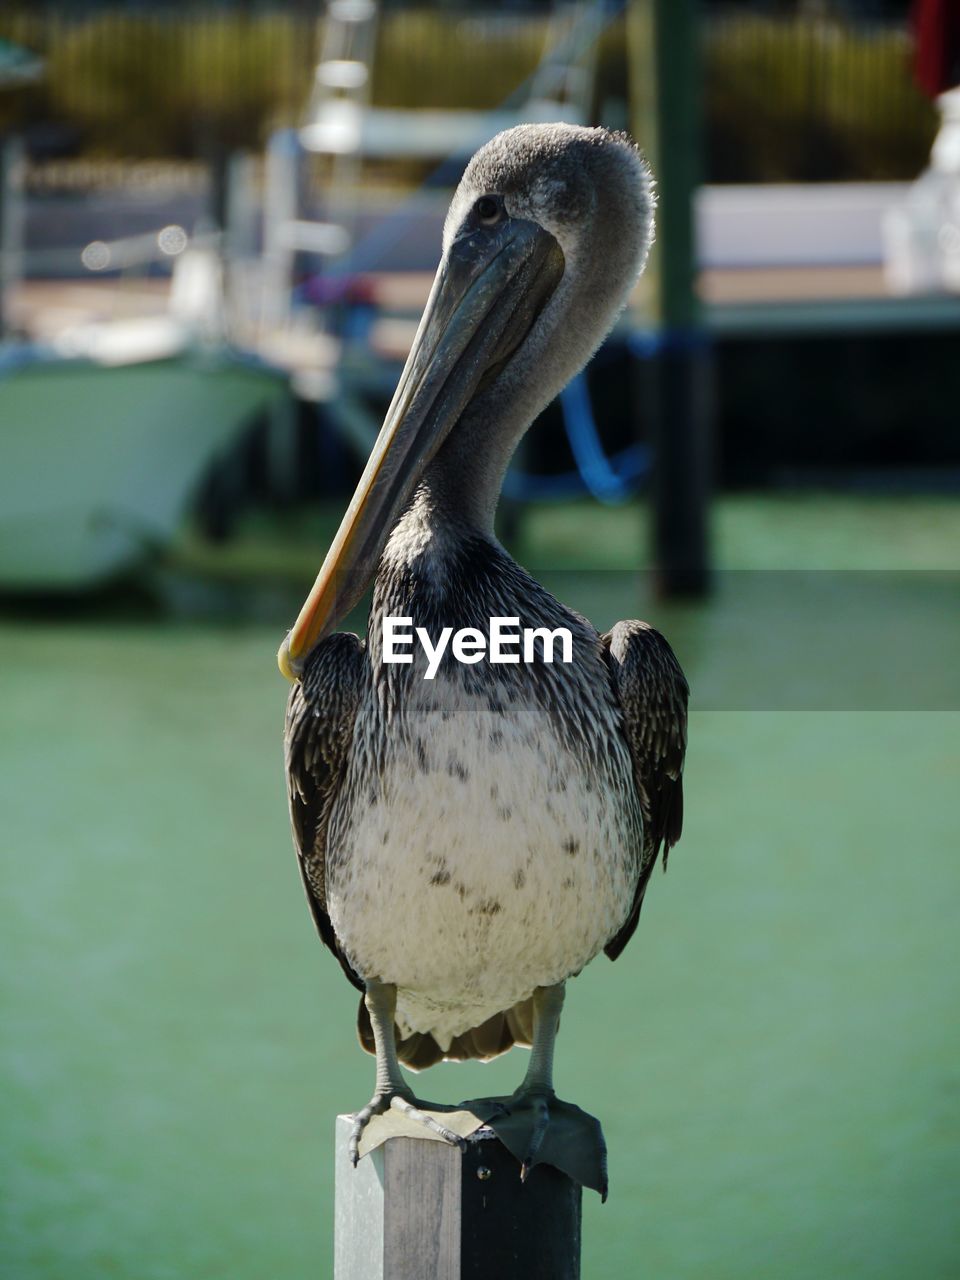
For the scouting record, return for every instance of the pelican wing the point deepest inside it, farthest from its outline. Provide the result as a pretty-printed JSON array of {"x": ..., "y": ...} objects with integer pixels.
[
  {"x": 317, "y": 734},
  {"x": 652, "y": 692}
]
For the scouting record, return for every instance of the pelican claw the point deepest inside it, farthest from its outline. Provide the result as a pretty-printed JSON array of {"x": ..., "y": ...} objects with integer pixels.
[{"x": 407, "y": 1105}]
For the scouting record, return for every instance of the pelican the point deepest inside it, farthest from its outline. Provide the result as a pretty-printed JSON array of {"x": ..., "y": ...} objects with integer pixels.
[{"x": 470, "y": 841}]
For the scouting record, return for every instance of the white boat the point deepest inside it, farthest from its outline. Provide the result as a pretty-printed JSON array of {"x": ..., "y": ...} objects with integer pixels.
[{"x": 99, "y": 465}]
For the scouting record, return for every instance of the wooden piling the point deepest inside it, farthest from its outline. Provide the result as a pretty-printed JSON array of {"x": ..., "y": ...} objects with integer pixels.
[
  {"x": 416, "y": 1209},
  {"x": 663, "y": 48}
]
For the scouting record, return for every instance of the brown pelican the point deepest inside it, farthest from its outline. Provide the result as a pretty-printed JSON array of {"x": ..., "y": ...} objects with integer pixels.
[{"x": 469, "y": 842}]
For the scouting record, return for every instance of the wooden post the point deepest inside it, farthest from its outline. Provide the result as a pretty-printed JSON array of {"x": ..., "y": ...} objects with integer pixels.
[
  {"x": 416, "y": 1209},
  {"x": 665, "y": 93}
]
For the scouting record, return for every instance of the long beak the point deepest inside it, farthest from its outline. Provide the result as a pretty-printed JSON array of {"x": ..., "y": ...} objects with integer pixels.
[{"x": 489, "y": 290}]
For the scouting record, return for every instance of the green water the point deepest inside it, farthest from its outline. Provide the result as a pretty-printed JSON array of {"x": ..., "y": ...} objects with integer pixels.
[{"x": 775, "y": 1059}]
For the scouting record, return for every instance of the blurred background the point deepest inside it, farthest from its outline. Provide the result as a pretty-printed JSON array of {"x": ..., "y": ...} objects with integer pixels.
[{"x": 218, "y": 225}]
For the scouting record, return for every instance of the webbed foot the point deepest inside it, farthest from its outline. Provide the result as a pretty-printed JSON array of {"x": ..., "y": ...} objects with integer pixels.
[
  {"x": 537, "y": 1127},
  {"x": 413, "y": 1109}
]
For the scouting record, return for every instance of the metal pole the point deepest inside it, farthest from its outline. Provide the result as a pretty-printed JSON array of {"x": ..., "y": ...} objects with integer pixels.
[{"x": 663, "y": 44}]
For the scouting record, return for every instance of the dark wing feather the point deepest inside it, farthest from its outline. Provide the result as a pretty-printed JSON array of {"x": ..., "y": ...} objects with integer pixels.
[
  {"x": 317, "y": 734},
  {"x": 652, "y": 692}
]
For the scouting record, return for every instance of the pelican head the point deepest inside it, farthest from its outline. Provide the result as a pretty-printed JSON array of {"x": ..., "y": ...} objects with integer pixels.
[{"x": 546, "y": 235}]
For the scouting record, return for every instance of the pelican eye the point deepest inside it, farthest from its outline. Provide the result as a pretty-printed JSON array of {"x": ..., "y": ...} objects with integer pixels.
[{"x": 489, "y": 210}]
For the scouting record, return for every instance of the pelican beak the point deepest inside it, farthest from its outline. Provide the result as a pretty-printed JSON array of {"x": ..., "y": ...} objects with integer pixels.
[{"x": 490, "y": 288}]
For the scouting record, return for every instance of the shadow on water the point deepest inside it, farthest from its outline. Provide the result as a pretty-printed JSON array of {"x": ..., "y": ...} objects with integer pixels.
[
  {"x": 870, "y": 624},
  {"x": 798, "y": 640},
  {"x": 162, "y": 596}
]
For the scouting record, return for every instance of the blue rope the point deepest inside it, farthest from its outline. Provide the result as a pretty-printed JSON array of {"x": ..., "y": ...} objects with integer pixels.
[
  {"x": 600, "y": 478},
  {"x": 631, "y": 466},
  {"x": 610, "y": 480}
]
